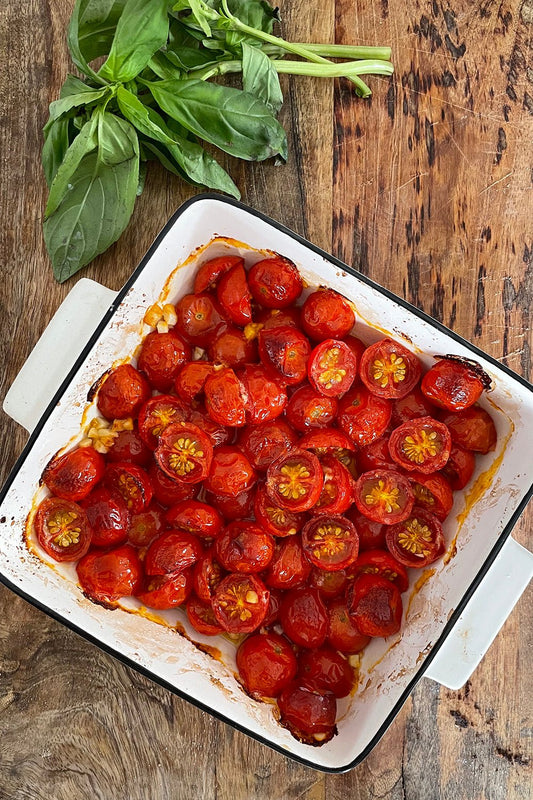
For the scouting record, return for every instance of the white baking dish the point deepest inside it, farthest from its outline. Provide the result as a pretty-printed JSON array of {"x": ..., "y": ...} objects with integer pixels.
[{"x": 452, "y": 618}]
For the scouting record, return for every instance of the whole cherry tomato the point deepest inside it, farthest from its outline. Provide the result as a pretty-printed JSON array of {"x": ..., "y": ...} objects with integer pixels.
[
  {"x": 330, "y": 542},
  {"x": 144, "y": 527},
  {"x": 327, "y": 315},
  {"x": 240, "y": 603},
  {"x": 207, "y": 574},
  {"x": 389, "y": 370},
  {"x": 128, "y": 446},
  {"x": 264, "y": 443},
  {"x": 160, "y": 358},
  {"x": 168, "y": 491},
  {"x": 285, "y": 352},
  {"x": 310, "y": 409},
  {"x": 266, "y": 664},
  {"x": 210, "y": 271},
  {"x": 172, "y": 551},
  {"x": 275, "y": 282},
  {"x": 234, "y": 295},
  {"x": 384, "y": 496},
  {"x": 422, "y": 444},
  {"x": 375, "y": 455},
  {"x": 413, "y": 404},
  {"x": 232, "y": 348},
  {"x": 418, "y": 540},
  {"x": 131, "y": 483},
  {"x": 332, "y": 368},
  {"x": 108, "y": 517},
  {"x": 232, "y": 507},
  {"x": 62, "y": 529},
  {"x": 122, "y": 393},
  {"x": 363, "y": 416},
  {"x": 244, "y": 547},
  {"x": 342, "y": 633},
  {"x": 157, "y": 414},
  {"x": 459, "y": 467},
  {"x": 275, "y": 520},
  {"x": 310, "y": 716},
  {"x": 265, "y": 397},
  {"x": 455, "y": 383},
  {"x": 199, "y": 316},
  {"x": 371, "y": 534},
  {"x": 217, "y": 433},
  {"x": 74, "y": 475},
  {"x": 294, "y": 481},
  {"x": 329, "y": 584},
  {"x": 472, "y": 429},
  {"x": 432, "y": 492},
  {"x": 382, "y": 563},
  {"x": 337, "y": 490},
  {"x": 107, "y": 576},
  {"x": 191, "y": 378},
  {"x": 184, "y": 452},
  {"x": 289, "y": 567},
  {"x": 304, "y": 617},
  {"x": 325, "y": 670},
  {"x": 375, "y": 606},
  {"x": 274, "y": 605},
  {"x": 202, "y": 618},
  {"x": 356, "y": 346},
  {"x": 274, "y": 318},
  {"x": 195, "y": 517},
  {"x": 230, "y": 473},
  {"x": 166, "y": 591},
  {"x": 224, "y": 398}
]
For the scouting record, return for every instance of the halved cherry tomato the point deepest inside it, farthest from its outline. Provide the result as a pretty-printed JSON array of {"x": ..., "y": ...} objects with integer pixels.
[
  {"x": 130, "y": 482},
  {"x": 264, "y": 443},
  {"x": 329, "y": 584},
  {"x": 418, "y": 540},
  {"x": 389, "y": 370},
  {"x": 325, "y": 670},
  {"x": 265, "y": 397},
  {"x": 363, "y": 416},
  {"x": 62, "y": 529},
  {"x": 289, "y": 567},
  {"x": 332, "y": 368},
  {"x": 128, "y": 446},
  {"x": 472, "y": 429},
  {"x": 210, "y": 271},
  {"x": 327, "y": 315},
  {"x": 454, "y": 383},
  {"x": 432, "y": 492},
  {"x": 108, "y": 517},
  {"x": 327, "y": 441},
  {"x": 191, "y": 378},
  {"x": 231, "y": 348},
  {"x": 371, "y": 534},
  {"x": 337, "y": 490},
  {"x": 285, "y": 352},
  {"x": 234, "y": 295},
  {"x": 375, "y": 606},
  {"x": 375, "y": 455},
  {"x": 207, "y": 575},
  {"x": 310, "y": 716},
  {"x": 232, "y": 507},
  {"x": 275, "y": 282},
  {"x": 342, "y": 633},
  {"x": 172, "y": 551},
  {"x": 275, "y": 520},
  {"x": 168, "y": 491},
  {"x": 74, "y": 475},
  {"x": 166, "y": 591},
  {"x": 459, "y": 467},
  {"x": 224, "y": 398},
  {"x": 157, "y": 414},
  {"x": 266, "y": 664},
  {"x": 230, "y": 473},
  {"x": 421, "y": 444},
  {"x": 122, "y": 393},
  {"x": 144, "y": 527},
  {"x": 244, "y": 547},
  {"x": 384, "y": 496},
  {"x": 304, "y": 617},
  {"x": 218, "y": 434},
  {"x": 202, "y": 617},
  {"x": 412, "y": 405},
  {"x": 240, "y": 603},
  {"x": 195, "y": 517},
  {"x": 184, "y": 452},
  {"x": 106, "y": 576},
  {"x": 294, "y": 481},
  {"x": 310, "y": 409},
  {"x": 382, "y": 563},
  {"x": 160, "y": 358},
  {"x": 330, "y": 542},
  {"x": 199, "y": 316}
]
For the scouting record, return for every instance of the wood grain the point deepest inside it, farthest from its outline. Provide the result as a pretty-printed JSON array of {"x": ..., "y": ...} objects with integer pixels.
[{"x": 427, "y": 187}]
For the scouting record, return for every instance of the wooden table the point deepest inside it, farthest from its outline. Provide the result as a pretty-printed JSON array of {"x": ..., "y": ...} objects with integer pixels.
[{"x": 427, "y": 188}]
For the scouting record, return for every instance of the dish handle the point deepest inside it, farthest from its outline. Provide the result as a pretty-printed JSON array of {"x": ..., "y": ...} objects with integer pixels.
[
  {"x": 56, "y": 351},
  {"x": 484, "y": 615}
]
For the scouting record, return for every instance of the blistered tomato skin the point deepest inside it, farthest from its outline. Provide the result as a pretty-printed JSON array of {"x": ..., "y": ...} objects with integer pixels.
[
  {"x": 231, "y": 348},
  {"x": 389, "y": 370},
  {"x": 128, "y": 446},
  {"x": 172, "y": 551},
  {"x": 264, "y": 443},
  {"x": 199, "y": 317},
  {"x": 74, "y": 475},
  {"x": 107, "y": 576},
  {"x": 432, "y": 492},
  {"x": 325, "y": 670},
  {"x": 289, "y": 567},
  {"x": 382, "y": 563},
  {"x": 210, "y": 271},
  {"x": 234, "y": 295},
  {"x": 168, "y": 491},
  {"x": 62, "y": 529},
  {"x": 131, "y": 483},
  {"x": 244, "y": 547},
  {"x": 231, "y": 473},
  {"x": 412, "y": 405},
  {"x": 284, "y": 352},
  {"x": 191, "y": 378},
  {"x": 304, "y": 617},
  {"x": 195, "y": 517},
  {"x": 275, "y": 282},
  {"x": 459, "y": 467},
  {"x": 163, "y": 592},
  {"x": 266, "y": 398},
  {"x": 122, "y": 393},
  {"x": 308, "y": 409},
  {"x": 472, "y": 429},
  {"x": 452, "y": 385},
  {"x": 310, "y": 716},
  {"x": 160, "y": 358},
  {"x": 375, "y": 606},
  {"x": 266, "y": 664},
  {"x": 363, "y": 416},
  {"x": 224, "y": 398},
  {"x": 108, "y": 517},
  {"x": 342, "y": 633},
  {"x": 327, "y": 315}
]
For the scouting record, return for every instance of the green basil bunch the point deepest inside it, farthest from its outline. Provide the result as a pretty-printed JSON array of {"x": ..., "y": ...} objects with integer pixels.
[{"x": 152, "y": 98}]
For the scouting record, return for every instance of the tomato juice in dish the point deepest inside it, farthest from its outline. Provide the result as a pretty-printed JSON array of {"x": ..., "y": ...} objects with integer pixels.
[{"x": 270, "y": 473}]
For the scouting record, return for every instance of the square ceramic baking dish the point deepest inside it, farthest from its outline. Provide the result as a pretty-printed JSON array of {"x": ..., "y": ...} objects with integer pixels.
[{"x": 449, "y": 620}]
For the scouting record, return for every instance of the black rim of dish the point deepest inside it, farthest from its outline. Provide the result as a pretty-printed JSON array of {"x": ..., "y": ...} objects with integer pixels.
[{"x": 146, "y": 672}]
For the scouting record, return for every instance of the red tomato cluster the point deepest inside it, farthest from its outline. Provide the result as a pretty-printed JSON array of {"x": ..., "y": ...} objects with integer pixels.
[{"x": 277, "y": 484}]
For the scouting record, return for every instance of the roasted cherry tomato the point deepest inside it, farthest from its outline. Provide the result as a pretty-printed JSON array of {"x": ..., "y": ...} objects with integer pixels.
[
  {"x": 274, "y": 318},
  {"x": 106, "y": 576},
  {"x": 308, "y": 715},
  {"x": 62, "y": 529},
  {"x": 371, "y": 534},
  {"x": 454, "y": 384},
  {"x": 160, "y": 358},
  {"x": 332, "y": 368},
  {"x": 224, "y": 398},
  {"x": 168, "y": 491},
  {"x": 157, "y": 414},
  {"x": 275, "y": 282},
  {"x": 375, "y": 606},
  {"x": 199, "y": 317},
  {"x": 184, "y": 452},
  {"x": 375, "y": 455},
  {"x": 418, "y": 540},
  {"x": 265, "y": 397},
  {"x": 329, "y": 584},
  {"x": 130, "y": 482},
  {"x": 363, "y": 416},
  {"x": 266, "y": 664},
  {"x": 74, "y": 475},
  {"x": 294, "y": 481},
  {"x": 382, "y": 563},
  {"x": 108, "y": 517},
  {"x": 412, "y": 405},
  {"x": 325, "y": 670},
  {"x": 240, "y": 603},
  {"x": 244, "y": 547},
  {"x": 207, "y": 575},
  {"x": 210, "y": 271},
  {"x": 422, "y": 444},
  {"x": 304, "y": 617},
  {"x": 327, "y": 441},
  {"x": 122, "y": 393},
  {"x": 231, "y": 348},
  {"x": 144, "y": 527},
  {"x": 166, "y": 591},
  {"x": 218, "y": 434},
  {"x": 356, "y": 346},
  {"x": 459, "y": 467},
  {"x": 232, "y": 507},
  {"x": 172, "y": 551},
  {"x": 191, "y": 378},
  {"x": 230, "y": 473},
  {"x": 234, "y": 295},
  {"x": 327, "y": 315},
  {"x": 389, "y": 370},
  {"x": 285, "y": 352},
  {"x": 384, "y": 496},
  {"x": 274, "y": 605},
  {"x": 289, "y": 566},
  {"x": 330, "y": 542},
  {"x": 202, "y": 617},
  {"x": 264, "y": 443},
  {"x": 195, "y": 517},
  {"x": 342, "y": 633},
  {"x": 472, "y": 429},
  {"x": 309, "y": 409},
  {"x": 432, "y": 492},
  {"x": 337, "y": 490},
  {"x": 275, "y": 520},
  {"x": 128, "y": 446}
]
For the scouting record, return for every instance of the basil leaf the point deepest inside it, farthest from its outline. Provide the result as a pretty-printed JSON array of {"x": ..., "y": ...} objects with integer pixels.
[
  {"x": 97, "y": 25},
  {"x": 259, "y": 77},
  {"x": 141, "y": 30},
  {"x": 85, "y": 142},
  {"x": 255, "y": 13},
  {"x": 73, "y": 40},
  {"x": 65, "y": 104},
  {"x": 117, "y": 140},
  {"x": 161, "y": 66},
  {"x": 73, "y": 85},
  {"x": 56, "y": 144},
  {"x": 145, "y": 119},
  {"x": 235, "y": 121}
]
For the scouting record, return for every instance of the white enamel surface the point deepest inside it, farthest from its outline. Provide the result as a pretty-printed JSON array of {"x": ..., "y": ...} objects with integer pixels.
[{"x": 387, "y": 667}]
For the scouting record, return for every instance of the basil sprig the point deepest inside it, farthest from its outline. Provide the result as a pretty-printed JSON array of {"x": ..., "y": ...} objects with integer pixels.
[{"x": 152, "y": 98}]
